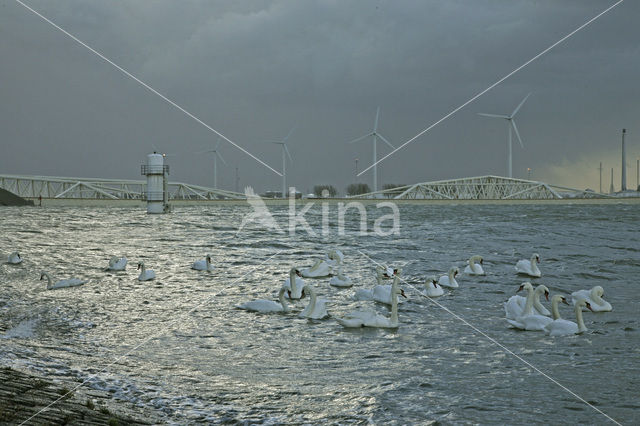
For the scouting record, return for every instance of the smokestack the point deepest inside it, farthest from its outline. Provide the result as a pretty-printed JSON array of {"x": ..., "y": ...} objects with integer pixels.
[
  {"x": 611, "y": 188},
  {"x": 623, "y": 185}
]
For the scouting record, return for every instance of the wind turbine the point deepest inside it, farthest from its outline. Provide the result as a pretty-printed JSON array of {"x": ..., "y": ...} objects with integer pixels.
[
  {"x": 511, "y": 124},
  {"x": 216, "y": 155},
  {"x": 375, "y": 135},
  {"x": 285, "y": 150}
]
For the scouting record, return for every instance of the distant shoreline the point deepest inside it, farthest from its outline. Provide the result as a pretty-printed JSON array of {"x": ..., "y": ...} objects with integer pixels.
[{"x": 92, "y": 202}]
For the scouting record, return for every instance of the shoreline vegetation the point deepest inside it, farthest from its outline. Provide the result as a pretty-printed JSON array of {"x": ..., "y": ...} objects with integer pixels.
[{"x": 22, "y": 395}]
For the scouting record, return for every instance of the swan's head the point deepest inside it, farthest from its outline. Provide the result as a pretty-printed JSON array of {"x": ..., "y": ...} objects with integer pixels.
[
  {"x": 140, "y": 265},
  {"x": 477, "y": 259},
  {"x": 208, "y": 258},
  {"x": 583, "y": 302},
  {"x": 42, "y": 275},
  {"x": 598, "y": 291},
  {"x": 557, "y": 298},
  {"x": 432, "y": 280},
  {"x": 536, "y": 256},
  {"x": 525, "y": 286},
  {"x": 295, "y": 271},
  {"x": 564, "y": 300},
  {"x": 454, "y": 271},
  {"x": 543, "y": 289}
]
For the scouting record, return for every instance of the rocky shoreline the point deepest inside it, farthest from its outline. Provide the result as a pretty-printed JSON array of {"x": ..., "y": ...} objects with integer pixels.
[{"x": 23, "y": 395}]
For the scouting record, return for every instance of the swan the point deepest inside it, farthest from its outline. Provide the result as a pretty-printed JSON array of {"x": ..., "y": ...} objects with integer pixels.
[
  {"x": 294, "y": 284},
  {"x": 380, "y": 293},
  {"x": 317, "y": 308},
  {"x": 433, "y": 289},
  {"x": 475, "y": 266},
  {"x": 514, "y": 307},
  {"x": 450, "y": 280},
  {"x": 370, "y": 318},
  {"x": 145, "y": 275},
  {"x": 594, "y": 297},
  {"x": 71, "y": 282},
  {"x": 117, "y": 264},
  {"x": 267, "y": 306},
  {"x": 319, "y": 269},
  {"x": 529, "y": 267},
  {"x": 14, "y": 258},
  {"x": 203, "y": 265},
  {"x": 334, "y": 258},
  {"x": 528, "y": 320},
  {"x": 340, "y": 280},
  {"x": 562, "y": 327}
]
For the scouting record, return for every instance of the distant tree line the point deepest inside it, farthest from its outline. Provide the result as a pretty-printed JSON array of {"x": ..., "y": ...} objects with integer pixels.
[
  {"x": 331, "y": 190},
  {"x": 357, "y": 189}
]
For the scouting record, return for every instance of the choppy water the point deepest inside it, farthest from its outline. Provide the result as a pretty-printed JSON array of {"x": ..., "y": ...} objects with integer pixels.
[{"x": 179, "y": 345}]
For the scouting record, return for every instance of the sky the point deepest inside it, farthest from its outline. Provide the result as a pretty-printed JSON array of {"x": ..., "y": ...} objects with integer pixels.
[{"x": 255, "y": 70}]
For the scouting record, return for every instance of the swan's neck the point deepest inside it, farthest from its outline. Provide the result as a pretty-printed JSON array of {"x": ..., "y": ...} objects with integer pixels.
[
  {"x": 283, "y": 302},
  {"x": 596, "y": 297},
  {"x": 554, "y": 309},
  {"x": 581, "y": 327},
  {"x": 528, "y": 306},
  {"x": 536, "y": 301},
  {"x": 394, "y": 300},
  {"x": 379, "y": 278},
  {"x": 451, "y": 277},
  {"x": 49, "y": 285},
  {"x": 292, "y": 281},
  {"x": 315, "y": 265},
  {"x": 312, "y": 302},
  {"x": 534, "y": 265},
  {"x": 472, "y": 263}
]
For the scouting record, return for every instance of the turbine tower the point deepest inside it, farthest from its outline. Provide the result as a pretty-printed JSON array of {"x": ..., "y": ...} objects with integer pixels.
[
  {"x": 216, "y": 155},
  {"x": 511, "y": 124},
  {"x": 623, "y": 185},
  {"x": 375, "y": 135},
  {"x": 285, "y": 154}
]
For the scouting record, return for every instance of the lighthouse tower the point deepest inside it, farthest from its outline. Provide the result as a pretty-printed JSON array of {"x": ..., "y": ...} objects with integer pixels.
[{"x": 157, "y": 173}]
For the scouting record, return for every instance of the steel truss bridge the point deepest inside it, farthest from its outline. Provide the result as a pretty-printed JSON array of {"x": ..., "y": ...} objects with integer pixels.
[
  {"x": 481, "y": 188},
  {"x": 33, "y": 187}
]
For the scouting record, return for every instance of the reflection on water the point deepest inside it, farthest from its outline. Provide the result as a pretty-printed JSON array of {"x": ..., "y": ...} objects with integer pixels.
[{"x": 178, "y": 343}]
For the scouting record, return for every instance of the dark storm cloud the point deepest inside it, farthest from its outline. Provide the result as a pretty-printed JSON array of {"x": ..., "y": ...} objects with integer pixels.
[{"x": 253, "y": 70}]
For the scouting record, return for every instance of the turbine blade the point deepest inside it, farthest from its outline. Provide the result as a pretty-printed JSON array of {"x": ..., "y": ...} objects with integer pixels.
[
  {"x": 289, "y": 134},
  {"x": 360, "y": 138},
  {"x": 385, "y": 140},
  {"x": 287, "y": 151},
  {"x": 513, "y": 124},
  {"x": 515, "y": 111},
  {"x": 494, "y": 115},
  {"x": 220, "y": 157},
  {"x": 375, "y": 123},
  {"x": 218, "y": 144}
]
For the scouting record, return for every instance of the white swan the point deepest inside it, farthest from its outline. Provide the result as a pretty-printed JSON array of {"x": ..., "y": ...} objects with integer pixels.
[
  {"x": 71, "y": 282},
  {"x": 562, "y": 327},
  {"x": 317, "y": 308},
  {"x": 370, "y": 318},
  {"x": 117, "y": 264},
  {"x": 334, "y": 258},
  {"x": 594, "y": 298},
  {"x": 380, "y": 293},
  {"x": 529, "y": 267},
  {"x": 433, "y": 289},
  {"x": 14, "y": 258},
  {"x": 267, "y": 306},
  {"x": 340, "y": 280},
  {"x": 318, "y": 270},
  {"x": 145, "y": 274},
  {"x": 475, "y": 266},
  {"x": 514, "y": 307},
  {"x": 450, "y": 279},
  {"x": 294, "y": 284},
  {"x": 203, "y": 264},
  {"x": 528, "y": 320}
]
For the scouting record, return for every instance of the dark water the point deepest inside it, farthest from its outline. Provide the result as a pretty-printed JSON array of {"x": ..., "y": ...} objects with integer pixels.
[{"x": 179, "y": 345}]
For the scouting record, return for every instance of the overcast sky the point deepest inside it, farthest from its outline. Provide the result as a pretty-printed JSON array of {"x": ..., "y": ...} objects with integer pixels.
[{"x": 254, "y": 70}]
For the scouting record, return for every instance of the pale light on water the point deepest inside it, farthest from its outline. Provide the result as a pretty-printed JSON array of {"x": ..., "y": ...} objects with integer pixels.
[{"x": 199, "y": 358}]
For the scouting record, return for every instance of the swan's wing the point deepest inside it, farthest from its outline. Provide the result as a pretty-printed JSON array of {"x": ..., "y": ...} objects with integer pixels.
[
  {"x": 534, "y": 322},
  {"x": 561, "y": 327}
]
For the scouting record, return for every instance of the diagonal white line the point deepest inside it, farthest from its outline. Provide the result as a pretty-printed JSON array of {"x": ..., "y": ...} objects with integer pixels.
[
  {"x": 500, "y": 345},
  {"x": 162, "y": 330},
  {"x": 493, "y": 85},
  {"x": 146, "y": 86}
]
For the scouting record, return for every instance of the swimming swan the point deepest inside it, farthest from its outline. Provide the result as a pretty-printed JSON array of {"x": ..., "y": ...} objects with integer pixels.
[
  {"x": 475, "y": 266},
  {"x": 317, "y": 308},
  {"x": 370, "y": 318},
  {"x": 340, "y": 280},
  {"x": 334, "y": 258},
  {"x": 450, "y": 280},
  {"x": 117, "y": 264},
  {"x": 529, "y": 267},
  {"x": 528, "y": 320},
  {"x": 433, "y": 289},
  {"x": 14, "y": 258},
  {"x": 380, "y": 293},
  {"x": 318, "y": 270},
  {"x": 71, "y": 282},
  {"x": 514, "y": 307},
  {"x": 294, "y": 284},
  {"x": 267, "y": 306},
  {"x": 203, "y": 265},
  {"x": 562, "y": 327},
  {"x": 594, "y": 298},
  {"x": 145, "y": 274}
]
